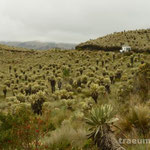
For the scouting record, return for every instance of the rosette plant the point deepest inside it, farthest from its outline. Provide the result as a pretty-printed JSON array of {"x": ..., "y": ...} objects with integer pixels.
[{"x": 100, "y": 121}]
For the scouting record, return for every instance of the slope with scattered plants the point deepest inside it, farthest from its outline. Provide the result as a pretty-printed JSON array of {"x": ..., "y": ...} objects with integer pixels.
[
  {"x": 4, "y": 48},
  {"x": 139, "y": 40},
  {"x": 73, "y": 100}
]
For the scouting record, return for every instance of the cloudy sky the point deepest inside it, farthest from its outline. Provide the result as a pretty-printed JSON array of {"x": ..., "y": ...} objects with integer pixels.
[{"x": 70, "y": 20}]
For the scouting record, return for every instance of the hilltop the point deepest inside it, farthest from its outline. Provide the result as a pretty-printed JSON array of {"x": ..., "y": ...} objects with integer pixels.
[
  {"x": 13, "y": 48},
  {"x": 37, "y": 45},
  {"x": 139, "y": 40}
]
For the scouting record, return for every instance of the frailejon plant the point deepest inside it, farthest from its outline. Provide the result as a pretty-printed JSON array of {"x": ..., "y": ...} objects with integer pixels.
[
  {"x": 5, "y": 91},
  {"x": 37, "y": 101},
  {"x": 94, "y": 90},
  {"x": 99, "y": 121},
  {"x": 52, "y": 83}
]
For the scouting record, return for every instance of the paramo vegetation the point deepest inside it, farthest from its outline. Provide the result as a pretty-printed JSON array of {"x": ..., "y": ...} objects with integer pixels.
[
  {"x": 73, "y": 99},
  {"x": 139, "y": 40}
]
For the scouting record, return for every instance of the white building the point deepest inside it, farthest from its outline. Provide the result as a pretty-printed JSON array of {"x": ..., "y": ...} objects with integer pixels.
[{"x": 125, "y": 48}]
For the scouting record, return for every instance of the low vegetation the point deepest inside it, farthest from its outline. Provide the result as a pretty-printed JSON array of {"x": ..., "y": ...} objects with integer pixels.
[
  {"x": 73, "y": 100},
  {"x": 139, "y": 40}
]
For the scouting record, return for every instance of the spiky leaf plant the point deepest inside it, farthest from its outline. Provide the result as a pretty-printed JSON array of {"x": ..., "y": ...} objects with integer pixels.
[
  {"x": 99, "y": 117},
  {"x": 100, "y": 120},
  {"x": 94, "y": 92}
]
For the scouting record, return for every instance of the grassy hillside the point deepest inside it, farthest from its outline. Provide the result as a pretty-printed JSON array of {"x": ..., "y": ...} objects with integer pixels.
[
  {"x": 139, "y": 40},
  {"x": 4, "y": 48},
  {"x": 46, "y": 96}
]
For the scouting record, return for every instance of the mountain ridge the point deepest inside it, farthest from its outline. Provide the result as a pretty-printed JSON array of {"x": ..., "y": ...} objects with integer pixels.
[{"x": 37, "y": 45}]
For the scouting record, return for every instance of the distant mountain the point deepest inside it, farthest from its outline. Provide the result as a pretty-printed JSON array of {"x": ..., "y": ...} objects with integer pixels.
[
  {"x": 39, "y": 45},
  {"x": 139, "y": 40}
]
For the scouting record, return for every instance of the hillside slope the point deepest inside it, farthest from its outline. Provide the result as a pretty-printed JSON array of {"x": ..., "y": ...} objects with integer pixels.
[
  {"x": 139, "y": 40},
  {"x": 13, "y": 49}
]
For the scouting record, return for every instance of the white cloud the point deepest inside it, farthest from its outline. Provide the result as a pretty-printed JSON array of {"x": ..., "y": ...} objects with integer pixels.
[{"x": 70, "y": 20}]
